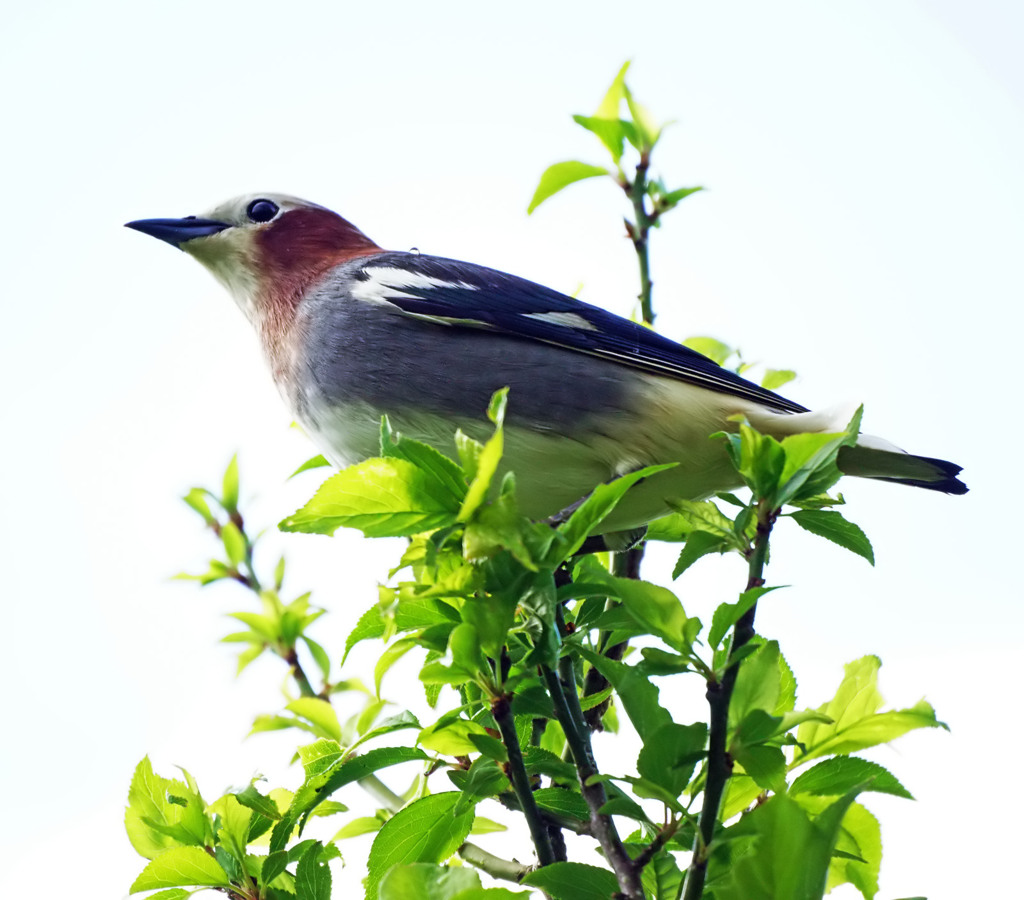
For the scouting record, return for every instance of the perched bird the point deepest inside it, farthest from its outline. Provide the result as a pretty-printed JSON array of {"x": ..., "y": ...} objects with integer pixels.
[{"x": 352, "y": 331}]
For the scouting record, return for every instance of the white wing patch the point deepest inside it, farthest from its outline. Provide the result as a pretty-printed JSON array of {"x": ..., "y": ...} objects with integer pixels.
[
  {"x": 385, "y": 284},
  {"x": 565, "y": 319}
]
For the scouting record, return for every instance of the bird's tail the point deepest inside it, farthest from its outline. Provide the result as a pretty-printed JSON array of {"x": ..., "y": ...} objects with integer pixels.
[{"x": 875, "y": 458}]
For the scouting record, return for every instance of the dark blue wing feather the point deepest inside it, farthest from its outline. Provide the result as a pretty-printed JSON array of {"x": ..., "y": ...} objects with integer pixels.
[{"x": 466, "y": 295}]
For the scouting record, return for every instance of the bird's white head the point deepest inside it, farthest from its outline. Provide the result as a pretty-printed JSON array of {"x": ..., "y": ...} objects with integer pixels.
[{"x": 267, "y": 249}]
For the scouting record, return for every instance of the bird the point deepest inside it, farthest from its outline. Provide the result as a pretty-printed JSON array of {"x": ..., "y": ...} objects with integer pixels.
[{"x": 353, "y": 332}]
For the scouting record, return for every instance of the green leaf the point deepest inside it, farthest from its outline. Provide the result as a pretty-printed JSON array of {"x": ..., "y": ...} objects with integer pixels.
[
  {"x": 492, "y": 614},
  {"x": 423, "y": 456},
  {"x": 670, "y": 754},
  {"x": 320, "y": 714},
  {"x": 163, "y": 813},
  {"x": 425, "y": 881},
  {"x": 661, "y": 877},
  {"x": 273, "y": 865},
  {"x": 319, "y": 757},
  {"x": 776, "y": 378},
  {"x": 427, "y": 830},
  {"x": 495, "y": 527},
  {"x": 234, "y": 543},
  {"x": 357, "y": 827},
  {"x": 258, "y": 802},
  {"x": 451, "y": 737},
  {"x": 836, "y": 528},
  {"x": 790, "y": 853},
  {"x": 764, "y": 764},
  {"x": 810, "y": 467},
  {"x": 573, "y": 881},
  {"x": 171, "y": 894},
  {"x": 397, "y": 722},
  {"x": 320, "y": 657},
  {"x": 611, "y": 132},
  {"x": 759, "y": 459},
  {"x": 608, "y": 108},
  {"x": 483, "y": 779},
  {"x": 564, "y": 802},
  {"x": 314, "y": 462},
  {"x": 323, "y": 783},
  {"x": 713, "y": 349},
  {"x": 699, "y": 544},
  {"x": 559, "y": 176},
  {"x": 639, "y": 695},
  {"x": 855, "y": 720},
  {"x": 380, "y": 497},
  {"x": 313, "y": 875},
  {"x": 834, "y": 777},
  {"x": 369, "y": 627},
  {"x": 728, "y": 614},
  {"x": 196, "y": 498},
  {"x": 486, "y": 462},
  {"x": 654, "y": 607},
  {"x": 671, "y": 199},
  {"x": 592, "y": 511},
  {"x": 229, "y": 488},
  {"x": 181, "y": 867},
  {"x": 232, "y": 825},
  {"x": 759, "y": 684},
  {"x": 860, "y": 836}
]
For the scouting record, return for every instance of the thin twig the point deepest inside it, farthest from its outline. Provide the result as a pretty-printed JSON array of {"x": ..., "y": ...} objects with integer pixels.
[
  {"x": 639, "y": 233},
  {"x": 719, "y": 694},
  {"x": 495, "y": 866},
  {"x": 562, "y": 687},
  {"x": 660, "y": 840},
  {"x": 501, "y": 710}
]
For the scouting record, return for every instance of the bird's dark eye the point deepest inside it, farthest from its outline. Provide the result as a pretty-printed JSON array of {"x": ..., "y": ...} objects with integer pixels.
[{"x": 261, "y": 210}]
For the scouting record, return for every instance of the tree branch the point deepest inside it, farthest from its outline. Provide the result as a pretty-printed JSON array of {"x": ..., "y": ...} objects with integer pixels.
[
  {"x": 562, "y": 687},
  {"x": 501, "y": 709},
  {"x": 719, "y": 694},
  {"x": 495, "y": 866}
]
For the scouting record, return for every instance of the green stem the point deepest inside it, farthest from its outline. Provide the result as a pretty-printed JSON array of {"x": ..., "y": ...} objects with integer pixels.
[
  {"x": 305, "y": 688},
  {"x": 501, "y": 709},
  {"x": 719, "y": 694},
  {"x": 639, "y": 232},
  {"x": 495, "y": 866},
  {"x": 562, "y": 687}
]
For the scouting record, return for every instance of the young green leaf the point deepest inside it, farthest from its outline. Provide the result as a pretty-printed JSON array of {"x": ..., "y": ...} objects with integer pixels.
[
  {"x": 423, "y": 456},
  {"x": 559, "y": 176},
  {"x": 380, "y": 497},
  {"x": 855, "y": 721},
  {"x": 836, "y": 528},
  {"x": 592, "y": 511},
  {"x": 728, "y": 614},
  {"x": 834, "y": 777},
  {"x": 775, "y": 378},
  {"x": 427, "y": 830},
  {"x": 229, "y": 487},
  {"x": 314, "y": 462},
  {"x": 712, "y": 348},
  {"x": 611, "y": 132},
  {"x": 573, "y": 881},
  {"x": 181, "y": 867},
  {"x": 163, "y": 813},
  {"x": 699, "y": 544},
  {"x": 670, "y": 754},
  {"x": 313, "y": 875},
  {"x": 790, "y": 852}
]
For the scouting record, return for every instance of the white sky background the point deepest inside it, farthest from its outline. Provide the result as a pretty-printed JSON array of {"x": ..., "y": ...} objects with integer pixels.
[{"x": 863, "y": 225}]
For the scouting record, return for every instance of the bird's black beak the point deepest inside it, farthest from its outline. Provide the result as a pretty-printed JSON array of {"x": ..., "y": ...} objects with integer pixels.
[{"x": 178, "y": 231}]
